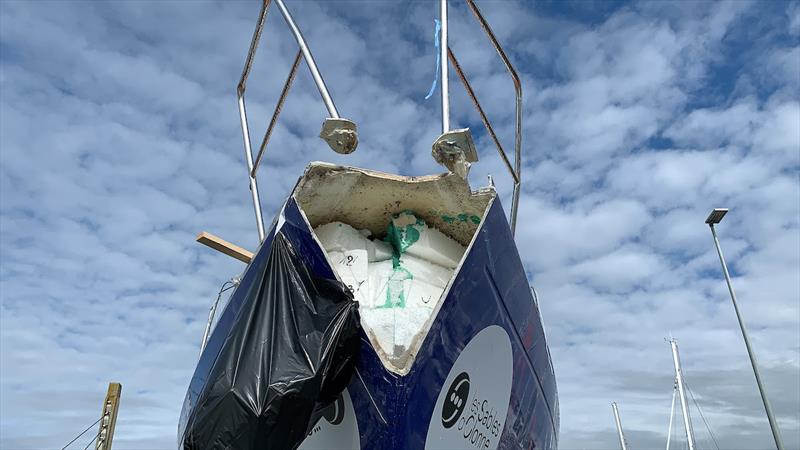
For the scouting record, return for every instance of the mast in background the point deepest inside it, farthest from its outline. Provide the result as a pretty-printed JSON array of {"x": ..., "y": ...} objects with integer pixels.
[
  {"x": 687, "y": 422},
  {"x": 108, "y": 418},
  {"x": 622, "y": 444},
  {"x": 671, "y": 412}
]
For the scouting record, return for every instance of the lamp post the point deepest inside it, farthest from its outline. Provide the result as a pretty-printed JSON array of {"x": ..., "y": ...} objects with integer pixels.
[{"x": 714, "y": 218}]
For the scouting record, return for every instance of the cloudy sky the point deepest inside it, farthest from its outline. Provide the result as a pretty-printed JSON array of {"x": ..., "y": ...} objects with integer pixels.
[{"x": 119, "y": 142}]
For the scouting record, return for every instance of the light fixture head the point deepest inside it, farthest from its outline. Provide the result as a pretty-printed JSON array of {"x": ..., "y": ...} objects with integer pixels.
[{"x": 716, "y": 216}]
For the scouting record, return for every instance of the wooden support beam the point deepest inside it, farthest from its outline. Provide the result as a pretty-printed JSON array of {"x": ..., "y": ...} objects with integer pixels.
[
  {"x": 108, "y": 417},
  {"x": 223, "y": 246}
]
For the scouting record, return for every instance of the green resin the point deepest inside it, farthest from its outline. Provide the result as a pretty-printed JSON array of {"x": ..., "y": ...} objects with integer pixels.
[
  {"x": 400, "y": 238},
  {"x": 395, "y": 295},
  {"x": 464, "y": 218}
]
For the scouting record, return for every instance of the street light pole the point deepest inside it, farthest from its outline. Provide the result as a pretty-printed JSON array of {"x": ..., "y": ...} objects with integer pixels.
[{"x": 714, "y": 218}]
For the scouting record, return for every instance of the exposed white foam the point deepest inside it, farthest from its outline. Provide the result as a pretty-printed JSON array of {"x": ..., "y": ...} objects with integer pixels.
[
  {"x": 397, "y": 294},
  {"x": 379, "y": 251},
  {"x": 422, "y": 270},
  {"x": 341, "y": 237},
  {"x": 353, "y": 269}
]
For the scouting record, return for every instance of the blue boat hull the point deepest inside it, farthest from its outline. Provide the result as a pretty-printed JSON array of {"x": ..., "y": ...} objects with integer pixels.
[{"x": 482, "y": 377}]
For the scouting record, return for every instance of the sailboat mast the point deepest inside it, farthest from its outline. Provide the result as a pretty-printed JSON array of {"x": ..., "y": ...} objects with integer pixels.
[
  {"x": 622, "y": 444},
  {"x": 687, "y": 422},
  {"x": 671, "y": 412}
]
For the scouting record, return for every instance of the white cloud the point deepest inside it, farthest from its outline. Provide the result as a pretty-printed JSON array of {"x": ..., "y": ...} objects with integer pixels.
[
  {"x": 620, "y": 271},
  {"x": 793, "y": 11}
]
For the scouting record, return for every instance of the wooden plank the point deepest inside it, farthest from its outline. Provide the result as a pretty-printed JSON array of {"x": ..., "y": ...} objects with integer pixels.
[{"x": 223, "y": 246}]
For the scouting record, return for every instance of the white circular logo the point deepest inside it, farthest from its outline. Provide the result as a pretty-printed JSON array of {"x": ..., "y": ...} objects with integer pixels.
[
  {"x": 471, "y": 409},
  {"x": 337, "y": 429}
]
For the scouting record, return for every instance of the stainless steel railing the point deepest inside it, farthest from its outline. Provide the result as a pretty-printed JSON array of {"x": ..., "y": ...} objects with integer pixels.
[
  {"x": 516, "y": 170},
  {"x": 339, "y": 133},
  {"x": 277, "y": 112}
]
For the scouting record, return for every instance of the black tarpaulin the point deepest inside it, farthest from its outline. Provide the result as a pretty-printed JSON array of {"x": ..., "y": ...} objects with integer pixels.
[{"x": 290, "y": 352}]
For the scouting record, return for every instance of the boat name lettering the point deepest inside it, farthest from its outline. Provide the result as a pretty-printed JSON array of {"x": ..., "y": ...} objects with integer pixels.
[{"x": 480, "y": 426}]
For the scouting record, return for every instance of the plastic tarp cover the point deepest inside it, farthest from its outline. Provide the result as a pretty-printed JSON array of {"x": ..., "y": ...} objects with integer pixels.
[{"x": 289, "y": 354}]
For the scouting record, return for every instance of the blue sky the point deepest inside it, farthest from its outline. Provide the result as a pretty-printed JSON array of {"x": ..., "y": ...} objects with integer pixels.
[{"x": 119, "y": 142}]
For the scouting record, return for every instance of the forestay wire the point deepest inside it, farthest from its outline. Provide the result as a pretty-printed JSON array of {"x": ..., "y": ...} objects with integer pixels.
[
  {"x": 702, "y": 416},
  {"x": 671, "y": 414},
  {"x": 82, "y": 433},
  {"x": 93, "y": 439}
]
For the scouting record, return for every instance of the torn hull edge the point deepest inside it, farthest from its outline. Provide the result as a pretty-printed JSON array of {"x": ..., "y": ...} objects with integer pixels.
[{"x": 480, "y": 377}]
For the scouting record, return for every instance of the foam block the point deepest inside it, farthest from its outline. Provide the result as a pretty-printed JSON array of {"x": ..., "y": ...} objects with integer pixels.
[
  {"x": 415, "y": 293},
  {"x": 379, "y": 275},
  {"x": 379, "y": 251},
  {"x": 340, "y": 237},
  {"x": 430, "y": 273},
  {"x": 382, "y": 324},
  {"x": 419, "y": 294},
  {"x": 409, "y": 322},
  {"x": 352, "y": 268},
  {"x": 436, "y": 247},
  {"x": 396, "y": 297},
  {"x": 395, "y": 328},
  {"x": 414, "y": 237}
]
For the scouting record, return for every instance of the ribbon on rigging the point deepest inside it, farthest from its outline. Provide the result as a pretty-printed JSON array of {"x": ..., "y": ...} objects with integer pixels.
[{"x": 438, "y": 55}]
